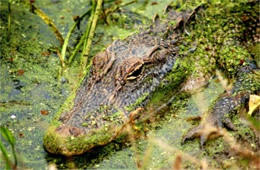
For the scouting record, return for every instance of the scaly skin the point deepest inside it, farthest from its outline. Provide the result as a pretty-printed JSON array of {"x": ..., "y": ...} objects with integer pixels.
[
  {"x": 120, "y": 76},
  {"x": 218, "y": 116},
  {"x": 123, "y": 77}
]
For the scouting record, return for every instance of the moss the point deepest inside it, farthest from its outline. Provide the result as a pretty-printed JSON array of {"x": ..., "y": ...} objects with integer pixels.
[
  {"x": 139, "y": 101},
  {"x": 55, "y": 143},
  {"x": 215, "y": 34},
  {"x": 218, "y": 45},
  {"x": 181, "y": 70},
  {"x": 117, "y": 116},
  {"x": 213, "y": 49},
  {"x": 256, "y": 53}
]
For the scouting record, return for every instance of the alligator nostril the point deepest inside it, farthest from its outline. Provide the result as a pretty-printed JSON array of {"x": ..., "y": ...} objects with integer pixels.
[{"x": 75, "y": 131}]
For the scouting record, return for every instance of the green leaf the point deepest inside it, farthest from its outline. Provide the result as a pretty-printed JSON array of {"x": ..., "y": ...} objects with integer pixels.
[
  {"x": 5, "y": 156},
  {"x": 11, "y": 140},
  {"x": 7, "y": 135}
]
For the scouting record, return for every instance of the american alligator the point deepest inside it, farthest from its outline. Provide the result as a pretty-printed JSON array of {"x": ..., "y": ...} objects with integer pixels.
[{"x": 121, "y": 80}]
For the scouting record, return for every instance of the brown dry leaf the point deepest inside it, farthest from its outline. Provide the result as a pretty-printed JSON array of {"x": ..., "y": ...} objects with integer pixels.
[
  {"x": 254, "y": 103},
  {"x": 44, "y": 112},
  {"x": 20, "y": 72}
]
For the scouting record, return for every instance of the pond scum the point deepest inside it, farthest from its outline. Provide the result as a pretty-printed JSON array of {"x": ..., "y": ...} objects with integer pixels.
[{"x": 221, "y": 22}]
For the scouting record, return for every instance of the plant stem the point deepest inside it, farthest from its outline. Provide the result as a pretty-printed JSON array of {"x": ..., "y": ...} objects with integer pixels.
[
  {"x": 91, "y": 34},
  {"x": 7, "y": 135},
  {"x": 15, "y": 157},
  {"x": 76, "y": 49},
  {"x": 82, "y": 39},
  {"x": 5, "y": 156},
  {"x": 85, "y": 35},
  {"x": 89, "y": 23},
  {"x": 114, "y": 8},
  {"x": 46, "y": 19},
  {"x": 66, "y": 41},
  {"x": 9, "y": 16},
  {"x": 61, "y": 59}
]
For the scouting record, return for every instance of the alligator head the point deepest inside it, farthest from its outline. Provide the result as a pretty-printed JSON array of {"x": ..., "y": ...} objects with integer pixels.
[
  {"x": 124, "y": 72},
  {"x": 121, "y": 78}
]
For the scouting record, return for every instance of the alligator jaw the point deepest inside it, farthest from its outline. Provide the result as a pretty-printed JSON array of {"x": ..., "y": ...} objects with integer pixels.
[
  {"x": 60, "y": 141},
  {"x": 70, "y": 145}
]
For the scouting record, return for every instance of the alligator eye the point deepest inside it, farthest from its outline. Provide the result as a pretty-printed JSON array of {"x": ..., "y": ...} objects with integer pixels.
[
  {"x": 130, "y": 69},
  {"x": 135, "y": 74}
]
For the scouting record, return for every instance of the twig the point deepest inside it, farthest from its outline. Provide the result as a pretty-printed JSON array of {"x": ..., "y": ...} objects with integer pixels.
[
  {"x": 116, "y": 7},
  {"x": 128, "y": 3},
  {"x": 113, "y": 8},
  {"x": 13, "y": 103},
  {"x": 46, "y": 19},
  {"x": 236, "y": 147},
  {"x": 163, "y": 144},
  {"x": 85, "y": 38}
]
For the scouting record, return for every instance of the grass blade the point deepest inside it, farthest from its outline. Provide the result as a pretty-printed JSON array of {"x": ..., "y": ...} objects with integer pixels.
[
  {"x": 5, "y": 156},
  {"x": 91, "y": 33},
  {"x": 11, "y": 140},
  {"x": 46, "y": 19},
  {"x": 66, "y": 41}
]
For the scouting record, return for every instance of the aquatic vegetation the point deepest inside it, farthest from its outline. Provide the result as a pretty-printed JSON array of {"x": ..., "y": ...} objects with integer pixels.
[
  {"x": 7, "y": 135},
  {"x": 33, "y": 88},
  {"x": 45, "y": 18}
]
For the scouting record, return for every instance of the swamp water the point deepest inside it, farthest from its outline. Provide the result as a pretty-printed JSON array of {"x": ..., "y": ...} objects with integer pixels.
[{"x": 30, "y": 93}]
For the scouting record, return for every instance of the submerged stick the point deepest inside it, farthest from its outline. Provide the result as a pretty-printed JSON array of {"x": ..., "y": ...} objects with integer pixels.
[{"x": 46, "y": 19}]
